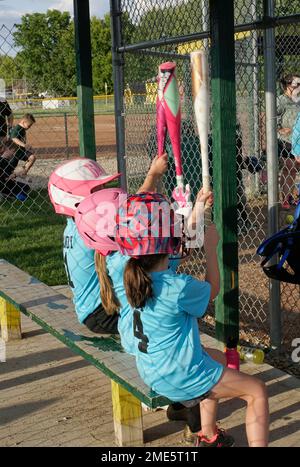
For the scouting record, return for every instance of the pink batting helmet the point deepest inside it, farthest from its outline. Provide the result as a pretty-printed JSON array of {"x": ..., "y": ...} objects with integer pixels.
[
  {"x": 95, "y": 219},
  {"x": 147, "y": 225},
  {"x": 73, "y": 181}
]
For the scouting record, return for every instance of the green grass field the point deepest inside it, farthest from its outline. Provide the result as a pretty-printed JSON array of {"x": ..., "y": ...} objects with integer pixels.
[
  {"x": 31, "y": 234},
  {"x": 32, "y": 239}
]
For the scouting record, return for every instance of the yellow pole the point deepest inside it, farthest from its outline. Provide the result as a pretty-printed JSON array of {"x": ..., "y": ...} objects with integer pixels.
[
  {"x": 10, "y": 320},
  {"x": 127, "y": 413}
]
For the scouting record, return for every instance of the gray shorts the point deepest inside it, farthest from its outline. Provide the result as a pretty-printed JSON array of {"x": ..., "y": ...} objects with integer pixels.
[{"x": 196, "y": 401}]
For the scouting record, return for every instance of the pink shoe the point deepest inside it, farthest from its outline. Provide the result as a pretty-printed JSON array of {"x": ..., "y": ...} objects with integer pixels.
[{"x": 220, "y": 440}]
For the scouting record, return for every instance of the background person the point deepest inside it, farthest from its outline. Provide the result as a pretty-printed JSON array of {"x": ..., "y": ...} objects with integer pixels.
[
  {"x": 288, "y": 107},
  {"x": 16, "y": 150},
  {"x": 6, "y": 122}
]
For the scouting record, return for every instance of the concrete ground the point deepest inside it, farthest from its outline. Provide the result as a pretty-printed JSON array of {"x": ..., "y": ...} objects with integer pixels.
[{"x": 51, "y": 397}]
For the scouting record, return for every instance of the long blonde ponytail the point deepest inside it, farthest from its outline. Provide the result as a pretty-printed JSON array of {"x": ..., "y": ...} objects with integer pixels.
[
  {"x": 108, "y": 298},
  {"x": 137, "y": 281}
]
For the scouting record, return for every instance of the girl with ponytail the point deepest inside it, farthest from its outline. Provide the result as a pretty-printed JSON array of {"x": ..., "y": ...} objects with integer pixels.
[
  {"x": 165, "y": 305},
  {"x": 95, "y": 219}
]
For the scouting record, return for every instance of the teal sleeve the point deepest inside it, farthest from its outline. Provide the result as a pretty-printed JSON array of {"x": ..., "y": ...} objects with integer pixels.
[
  {"x": 194, "y": 297},
  {"x": 296, "y": 138}
]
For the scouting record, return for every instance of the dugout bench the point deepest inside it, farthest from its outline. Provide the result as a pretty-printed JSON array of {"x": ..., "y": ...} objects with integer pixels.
[{"x": 20, "y": 292}]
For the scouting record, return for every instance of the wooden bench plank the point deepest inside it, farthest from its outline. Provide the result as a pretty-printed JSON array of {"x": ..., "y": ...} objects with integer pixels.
[{"x": 55, "y": 313}]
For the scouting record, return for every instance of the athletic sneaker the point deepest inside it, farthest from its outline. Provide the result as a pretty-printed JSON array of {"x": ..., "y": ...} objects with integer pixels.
[{"x": 220, "y": 440}]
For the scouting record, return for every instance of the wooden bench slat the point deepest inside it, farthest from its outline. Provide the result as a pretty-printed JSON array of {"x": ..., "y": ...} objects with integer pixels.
[{"x": 55, "y": 313}]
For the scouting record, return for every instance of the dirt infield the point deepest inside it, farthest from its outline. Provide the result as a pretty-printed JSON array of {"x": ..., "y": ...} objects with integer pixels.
[{"x": 58, "y": 136}]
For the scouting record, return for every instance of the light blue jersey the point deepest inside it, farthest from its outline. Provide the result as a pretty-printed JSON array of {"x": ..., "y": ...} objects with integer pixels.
[
  {"x": 116, "y": 263},
  {"x": 296, "y": 138},
  {"x": 81, "y": 273},
  {"x": 170, "y": 358}
]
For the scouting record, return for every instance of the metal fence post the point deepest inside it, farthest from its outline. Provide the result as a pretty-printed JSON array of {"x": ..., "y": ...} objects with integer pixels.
[
  {"x": 118, "y": 77},
  {"x": 272, "y": 164},
  {"x": 255, "y": 77},
  {"x": 224, "y": 166},
  {"x": 84, "y": 79},
  {"x": 205, "y": 21}
]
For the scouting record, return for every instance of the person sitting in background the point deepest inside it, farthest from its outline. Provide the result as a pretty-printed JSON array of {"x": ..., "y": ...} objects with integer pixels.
[
  {"x": 296, "y": 149},
  {"x": 288, "y": 107},
  {"x": 16, "y": 150},
  {"x": 296, "y": 140},
  {"x": 6, "y": 122}
]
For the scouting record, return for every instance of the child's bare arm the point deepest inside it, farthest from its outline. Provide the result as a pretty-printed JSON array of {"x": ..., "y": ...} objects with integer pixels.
[
  {"x": 195, "y": 222},
  {"x": 158, "y": 167},
  {"x": 29, "y": 163},
  {"x": 203, "y": 201},
  {"x": 19, "y": 142}
]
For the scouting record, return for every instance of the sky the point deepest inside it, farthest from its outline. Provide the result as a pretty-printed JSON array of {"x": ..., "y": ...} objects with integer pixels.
[{"x": 12, "y": 10}]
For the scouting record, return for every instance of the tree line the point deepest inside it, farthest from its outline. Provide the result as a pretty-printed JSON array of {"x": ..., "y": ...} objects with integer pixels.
[
  {"x": 45, "y": 45},
  {"x": 45, "y": 54}
]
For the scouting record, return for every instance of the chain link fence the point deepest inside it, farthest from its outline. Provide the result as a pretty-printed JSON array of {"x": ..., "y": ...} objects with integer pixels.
[
  {"x": 163, "y": 32},
  {"x": 166, "y": 30},
  {"x": 52, "y": 138}
]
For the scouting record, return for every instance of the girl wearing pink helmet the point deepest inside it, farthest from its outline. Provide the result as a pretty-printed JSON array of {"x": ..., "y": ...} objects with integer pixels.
[
  {"x": 69, "y": 184},
  {"x": 73, "y": 181},
  {"x": 166, "y": 305},
  {"x": 96, "y": 224}
]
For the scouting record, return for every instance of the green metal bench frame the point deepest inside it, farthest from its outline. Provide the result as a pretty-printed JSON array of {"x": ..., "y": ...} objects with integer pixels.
[{"x": 20, "y": 292}]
